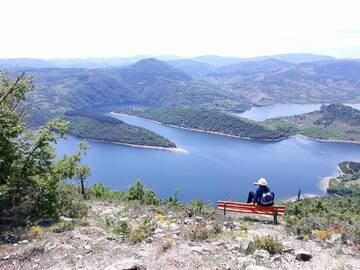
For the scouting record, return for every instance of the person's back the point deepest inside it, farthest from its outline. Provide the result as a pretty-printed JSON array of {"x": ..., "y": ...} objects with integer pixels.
[{"x": 262, "y": 196}]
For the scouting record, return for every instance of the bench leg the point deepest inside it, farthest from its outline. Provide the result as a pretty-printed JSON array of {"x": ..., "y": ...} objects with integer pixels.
[
  {"x": 224, "y": 209},
  {"x": 276, "y": 216}
]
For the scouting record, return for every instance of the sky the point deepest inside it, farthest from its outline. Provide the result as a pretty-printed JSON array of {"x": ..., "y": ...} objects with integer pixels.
[{"x": 120, "y": 28}]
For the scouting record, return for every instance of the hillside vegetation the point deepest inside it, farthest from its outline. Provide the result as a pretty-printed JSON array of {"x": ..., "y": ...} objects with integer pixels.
[
  {"x": 109, "y": 129},
  {"x": 149, "y": 82},
  {"x": 348, "y": 182},
  {"x": 235, "y": 85},
  {"x": 331, "y": 122},
  {"x": 46, "y": 223},
  {"x": 211, "y": 121},
  {"x": 271, "y": 81}
]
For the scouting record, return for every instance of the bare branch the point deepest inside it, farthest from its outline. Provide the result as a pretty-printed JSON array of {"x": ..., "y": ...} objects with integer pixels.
[{"x": 12, "y": 88}]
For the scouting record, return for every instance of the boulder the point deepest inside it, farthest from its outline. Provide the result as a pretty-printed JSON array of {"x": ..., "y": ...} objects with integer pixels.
[
  {"x": 127, "y": 264},
  {"x": 262, "y": 254},
  {"x": 303, "y": 255},
  {"x": 247, "y": 246},
  {"x": 199, "y": 250}
]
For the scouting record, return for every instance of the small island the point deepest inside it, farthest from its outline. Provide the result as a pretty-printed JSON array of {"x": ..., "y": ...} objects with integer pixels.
[
  {"x": 211, "y": 121},
  {"x": 109, "y": 129},
  {"x": 334, "y": 122}
]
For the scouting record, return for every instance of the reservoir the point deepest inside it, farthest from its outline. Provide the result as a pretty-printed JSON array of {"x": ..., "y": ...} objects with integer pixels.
[{"x": 215, "y": 167}]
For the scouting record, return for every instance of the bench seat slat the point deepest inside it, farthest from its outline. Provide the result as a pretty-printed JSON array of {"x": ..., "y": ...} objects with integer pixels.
[
  {"x": 250, "y": 205},
  {"x": 250, "y": 211},
  {"x": 250, "y": 208}
]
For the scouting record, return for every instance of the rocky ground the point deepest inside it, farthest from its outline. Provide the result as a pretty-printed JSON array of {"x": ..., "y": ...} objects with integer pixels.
[{"x": 177, "y": 239}]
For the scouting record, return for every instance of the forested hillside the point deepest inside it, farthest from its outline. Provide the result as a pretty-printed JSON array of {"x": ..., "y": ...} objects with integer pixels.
[
  {"x": 209, "y": 120},
  {"x": 149, "y": 82},
  {"x": 348, "y": 182},
  {"x": 227, "y": 87},
  {"x": 317, "y": 82},
  {"x": 110, "y": 129},
  {"x": 331, "y": 122}
]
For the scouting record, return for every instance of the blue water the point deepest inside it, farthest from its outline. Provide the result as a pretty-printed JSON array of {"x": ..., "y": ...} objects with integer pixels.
[
  {"x": 279, "y": 110},
  {"x": 215, "y": 167}
]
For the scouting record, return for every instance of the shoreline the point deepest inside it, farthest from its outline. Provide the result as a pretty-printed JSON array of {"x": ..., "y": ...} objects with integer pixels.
[
  {"x": 238, "y": 137},
  {"x": 326, "y": 140},
  {"x": 201, "y": 130},
  {"x": 325, "y": 181},
  {"x": 171, "y": 149}
]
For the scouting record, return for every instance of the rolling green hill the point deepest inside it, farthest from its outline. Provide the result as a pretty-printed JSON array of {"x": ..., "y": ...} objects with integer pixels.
[
  {"x": 331, "y": 122},
  {"x": 210, "y": 121},
  {"x": 280, "y": 82},
  {"x": 148, "y": 82},
  {"x": 109, "y": 129}
]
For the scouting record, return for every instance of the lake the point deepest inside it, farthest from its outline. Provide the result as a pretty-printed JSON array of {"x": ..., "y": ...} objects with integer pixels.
[
  {"x": 279, "y": 110},
  {"x": 215, "y": 167}
]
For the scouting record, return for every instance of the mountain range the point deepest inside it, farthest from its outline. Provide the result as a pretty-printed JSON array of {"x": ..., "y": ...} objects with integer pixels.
[
  {"x": 236, "y": 86},
  {"x": 98, "y": 62}
]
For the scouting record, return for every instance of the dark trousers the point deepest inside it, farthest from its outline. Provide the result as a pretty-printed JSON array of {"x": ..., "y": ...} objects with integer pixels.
[{"x": 251, "y": 198}]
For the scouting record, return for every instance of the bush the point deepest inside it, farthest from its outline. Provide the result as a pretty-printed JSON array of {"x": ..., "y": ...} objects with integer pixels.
[
  {"x": 323, "y": 234},
  {"x": 141, "y": 232},
  {"x": 320, "y": 217},
  {"x": 272, "y": 245},
  {"x": 63, "y": 226},
  {"x": 199, "y": 232},
  {"x": 159, "y": 217},
  {"x": 197, "y": 205},
  {"x": 138, "y": 192},
  {"x": 71, "y": 203},
  {"x": 166, "y": 244},
  {"x": 30, "y": 174},
  {"x": 121, "y": 227},
  {"x": 36, "y": 231},
  {"x": 100, "y": 192},
  {"x": 217, "y": 228}
]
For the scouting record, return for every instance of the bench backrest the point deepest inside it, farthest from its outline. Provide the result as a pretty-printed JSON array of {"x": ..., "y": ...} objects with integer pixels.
[{"x": 250, "y": 208}]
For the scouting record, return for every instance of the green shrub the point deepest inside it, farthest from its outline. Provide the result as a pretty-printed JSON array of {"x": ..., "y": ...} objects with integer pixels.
[
  {"x": 199, "y": 232},
  {"x": 197, "y": 205},
  {"x": 142, "y": 231},
  {"x": 101, "y": 192},
  {"x": 63, "y": 226},
  {"x": 121, "y": 227},
  {"x": 166, "y": 244},
  {"x": 272, "y": 245},
  {"x": 71, "y": 203},
  {"x": 217, "y": 228},
  {"x": 338, "y": 214},
  {"x": 138, "y": 192}
]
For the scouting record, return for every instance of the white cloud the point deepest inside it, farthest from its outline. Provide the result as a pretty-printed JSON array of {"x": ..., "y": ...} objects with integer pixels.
[{"x": 83, "y": 28}]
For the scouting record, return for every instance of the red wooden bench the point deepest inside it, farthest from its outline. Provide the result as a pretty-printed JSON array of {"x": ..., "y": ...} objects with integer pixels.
[{"x": 250, "y": 208}]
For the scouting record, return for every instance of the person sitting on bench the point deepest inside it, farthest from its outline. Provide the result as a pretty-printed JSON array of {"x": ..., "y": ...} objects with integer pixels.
[{"x": 262, "y": 196}]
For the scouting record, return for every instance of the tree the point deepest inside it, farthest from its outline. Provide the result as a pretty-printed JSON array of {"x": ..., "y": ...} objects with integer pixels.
[
  {"x": 82, "y": 173},
  {"x": 30, "y": 178}
]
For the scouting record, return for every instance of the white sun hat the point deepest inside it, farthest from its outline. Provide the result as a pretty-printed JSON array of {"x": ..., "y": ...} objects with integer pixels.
[{"x": 261, "y": 182}]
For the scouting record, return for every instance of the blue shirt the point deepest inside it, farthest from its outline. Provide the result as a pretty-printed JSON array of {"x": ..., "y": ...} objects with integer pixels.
[{"x": 259, "y": 192}]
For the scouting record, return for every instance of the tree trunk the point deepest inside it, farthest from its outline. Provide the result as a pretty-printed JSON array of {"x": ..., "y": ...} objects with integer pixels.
[{"x": 82, "y": 187}]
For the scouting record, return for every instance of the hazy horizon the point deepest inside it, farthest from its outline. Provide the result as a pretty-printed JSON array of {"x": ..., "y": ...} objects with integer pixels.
[
  {"x": 104, "y": 29},
  {"x": 172, "y": 57}
]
